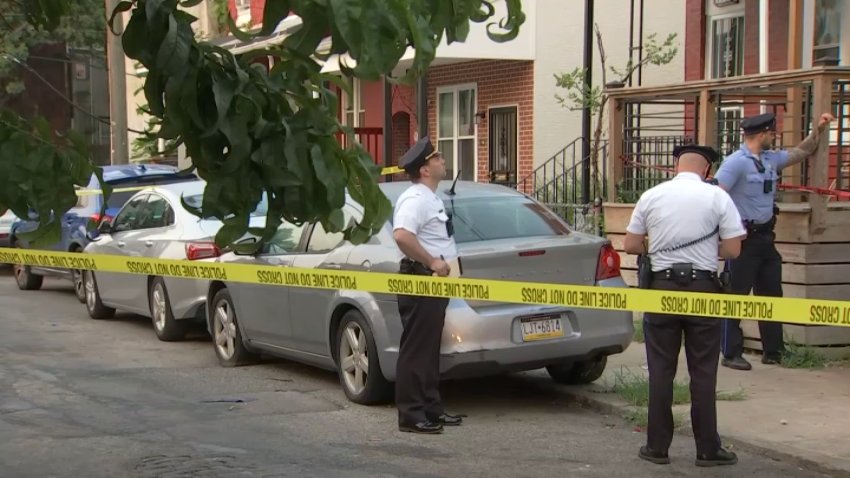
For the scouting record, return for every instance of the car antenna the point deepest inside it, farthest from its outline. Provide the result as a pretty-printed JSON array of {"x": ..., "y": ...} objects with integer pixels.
[{"x": 451, "y": 192}]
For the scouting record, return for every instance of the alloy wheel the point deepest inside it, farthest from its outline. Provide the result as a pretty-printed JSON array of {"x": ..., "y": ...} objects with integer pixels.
[
  {"x": 354, "y": 359},
  {"x": 224, "y": 330}
]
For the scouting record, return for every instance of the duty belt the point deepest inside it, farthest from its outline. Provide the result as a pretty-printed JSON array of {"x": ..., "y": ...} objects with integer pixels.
[
  {"x": 753, "y": 227},
  {"x": 695, "y": 274}
]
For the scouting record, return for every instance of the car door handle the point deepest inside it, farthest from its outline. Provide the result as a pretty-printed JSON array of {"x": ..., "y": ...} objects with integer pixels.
[
  {"x": 148, "y": 243},
  {"x": 121, "y": 244}
]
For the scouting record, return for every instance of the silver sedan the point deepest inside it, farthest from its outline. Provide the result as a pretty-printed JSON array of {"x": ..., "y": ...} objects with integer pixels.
[
  {"x": 501, "y": 234},
  {"x": 154, "y": 224}
]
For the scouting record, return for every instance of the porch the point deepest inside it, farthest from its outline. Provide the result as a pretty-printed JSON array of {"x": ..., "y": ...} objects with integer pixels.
[{"x": 645, "y": 124}]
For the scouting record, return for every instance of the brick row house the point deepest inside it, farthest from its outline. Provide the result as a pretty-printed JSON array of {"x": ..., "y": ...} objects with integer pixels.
[
  {"x": 489, "y": 107},
  {"x": 731, "y": 38}
]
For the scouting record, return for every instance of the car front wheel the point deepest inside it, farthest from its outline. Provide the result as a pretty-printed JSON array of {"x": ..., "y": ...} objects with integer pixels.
[
  {"x": 578, "y": 373},
  {"x": 357, "y": 362}
]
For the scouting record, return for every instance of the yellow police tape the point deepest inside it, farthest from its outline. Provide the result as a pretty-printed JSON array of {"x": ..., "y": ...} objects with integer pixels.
[
  {"x": 789, "y": 310},
  {"x": 92, "y": 192}
]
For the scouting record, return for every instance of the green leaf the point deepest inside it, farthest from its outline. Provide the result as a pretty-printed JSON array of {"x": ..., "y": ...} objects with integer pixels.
[
  {"x": 237, "y": 32},
  {"x": 174, "y": 51},
  {"x": 119, "y": 9},
  {"x": 273, "y": 12}
]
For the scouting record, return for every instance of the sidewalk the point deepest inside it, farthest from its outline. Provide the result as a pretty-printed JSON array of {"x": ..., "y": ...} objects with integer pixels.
[{"x": 789, "y": 414}]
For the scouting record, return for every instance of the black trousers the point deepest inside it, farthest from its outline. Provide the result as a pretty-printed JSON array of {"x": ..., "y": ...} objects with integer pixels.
[
  {"x": 758, "y": 269},
  {"x": 663, "y": 335},
  {"x": 417, "y": 386}
]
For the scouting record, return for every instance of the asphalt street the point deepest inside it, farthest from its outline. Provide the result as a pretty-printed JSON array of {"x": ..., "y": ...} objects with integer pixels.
[{"x": 86, "y": 398}]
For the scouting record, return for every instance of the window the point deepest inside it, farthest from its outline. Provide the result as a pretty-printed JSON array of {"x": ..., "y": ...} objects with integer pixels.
[
  {"x": 355, "y": 112},
  {"x": 285, "y": 240},
  {"x": 243, "y": 12},
  {"x": 827, "y": 37},
  {"x": 456, "y": 130},
  {"x": 128, "y": 217},
  {"x": 726, "y": 47},
  {"x": 197, "y": 200},
  {"x": 482, "y": 219},
  {"x": 155, "y": 213},
  {"x": 729, "y": 129},
  {"x": 323, "y": 241}
]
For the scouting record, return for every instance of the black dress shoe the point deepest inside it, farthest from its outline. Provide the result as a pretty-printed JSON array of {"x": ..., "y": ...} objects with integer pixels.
[
  {"x": 719, "y": 458},
  {"x": 653, "y": 456},
  {"x": 736, "y": 363},
  {"x": 771, "y": 359},
  {"x": 428, "y": 427},
  {"x": 449, "y": 420}
]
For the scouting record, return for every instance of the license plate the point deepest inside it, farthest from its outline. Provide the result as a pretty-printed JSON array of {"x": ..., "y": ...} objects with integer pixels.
[{"x": 541, "y": 328}]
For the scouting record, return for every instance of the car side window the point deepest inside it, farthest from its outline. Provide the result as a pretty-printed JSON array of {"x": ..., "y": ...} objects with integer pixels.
[
  {"x": 323, "y": 241},
  {"x": 285, "y": 240},
  {"x": 156, "y": 213},
  {"x": 128, "y": 218}
]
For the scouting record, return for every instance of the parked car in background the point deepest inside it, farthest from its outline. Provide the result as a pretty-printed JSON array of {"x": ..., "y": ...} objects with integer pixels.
[
  {"x": 6, "y": 221},
  {"x": 501, "y": 234},
  {"x": 88, "y": 208},
  {"x": 154, "y": 224}
]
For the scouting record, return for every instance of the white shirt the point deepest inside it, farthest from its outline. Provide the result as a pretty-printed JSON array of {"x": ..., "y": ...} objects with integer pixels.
[
  {"x": 682, "y": 210},
  {"x": 419, "y": 211}
]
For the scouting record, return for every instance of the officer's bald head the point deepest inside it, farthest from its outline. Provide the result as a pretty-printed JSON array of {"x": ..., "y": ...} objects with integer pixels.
[{"x": 693, "y": 163}]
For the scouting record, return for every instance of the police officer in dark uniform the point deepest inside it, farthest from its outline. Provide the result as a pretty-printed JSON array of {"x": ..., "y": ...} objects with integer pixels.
[
  {"x": 750, "y": 175},
  {"x": 683, "y": 219},
  {"x": 423, "y": 231}
]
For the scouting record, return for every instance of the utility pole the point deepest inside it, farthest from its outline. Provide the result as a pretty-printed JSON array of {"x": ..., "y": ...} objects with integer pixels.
[
  {"x": 117, "y": 89},
  {"x": 585, "y": 116}
]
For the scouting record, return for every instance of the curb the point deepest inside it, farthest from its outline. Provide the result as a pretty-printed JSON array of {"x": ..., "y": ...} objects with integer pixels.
[{"x": 813, "y": 462}]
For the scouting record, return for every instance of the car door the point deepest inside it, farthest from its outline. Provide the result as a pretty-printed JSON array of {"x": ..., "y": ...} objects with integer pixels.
[
  {"x": 264, "y": 310},
  {"x": 126, "y": 239},
  {"x": 310, "y": 308}
]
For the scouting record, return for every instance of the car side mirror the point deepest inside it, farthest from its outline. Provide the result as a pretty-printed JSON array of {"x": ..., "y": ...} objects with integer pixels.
[
  {"x": 105, "y": 227},
  {"x": 245, "y": 247}
]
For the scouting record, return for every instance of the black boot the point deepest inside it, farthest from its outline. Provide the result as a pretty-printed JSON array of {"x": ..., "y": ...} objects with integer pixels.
[{"x": 719, "y": 458}]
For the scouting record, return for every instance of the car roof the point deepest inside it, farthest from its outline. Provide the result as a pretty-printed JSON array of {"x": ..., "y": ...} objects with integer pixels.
[{"x": 463, "y": 190}]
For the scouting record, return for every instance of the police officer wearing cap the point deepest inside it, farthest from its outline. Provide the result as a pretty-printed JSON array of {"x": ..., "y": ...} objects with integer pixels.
[
  {"x": 750, "y": 175},
  {"x": 688, "y": 222},
  {"x": 423, "y": 231}
]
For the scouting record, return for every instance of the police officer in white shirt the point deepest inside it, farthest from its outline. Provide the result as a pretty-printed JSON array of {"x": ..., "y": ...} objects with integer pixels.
[
  {"x": 423, "y": 231},
  {"x": 682, "y": 219}
]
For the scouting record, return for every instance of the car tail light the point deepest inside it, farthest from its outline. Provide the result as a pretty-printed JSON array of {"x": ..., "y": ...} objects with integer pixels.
[
  {"x": 201, "y": 250},
  {"x": 609, "y": 263},
  {"x": 97, "y": 218}
]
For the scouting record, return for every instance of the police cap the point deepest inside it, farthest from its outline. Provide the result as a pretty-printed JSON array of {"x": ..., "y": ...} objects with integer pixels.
[
  {"x": 416, "y": 156},
  {"x": 757, "y": 124},
  {"x": 706, "y": 152}
]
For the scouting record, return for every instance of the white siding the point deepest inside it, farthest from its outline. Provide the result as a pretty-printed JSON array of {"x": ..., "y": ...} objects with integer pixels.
[{"x": 559, "y": 48}]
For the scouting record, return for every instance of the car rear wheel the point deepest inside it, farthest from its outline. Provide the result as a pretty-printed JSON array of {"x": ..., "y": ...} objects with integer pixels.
[
  {"x": 357, "y": 362},
  {"x": 578, "y": 373},
  {"x": 24, "y": 277},
  {"x": 166, "y": 327},
  {"x": 227, "y": 338},
  {"x": 94, "y": 306}
]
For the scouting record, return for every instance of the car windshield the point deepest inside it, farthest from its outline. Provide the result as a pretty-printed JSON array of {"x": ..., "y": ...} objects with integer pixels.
[
  {"x": 483, "y": 219},
  {"x": 196, "y": 200}
]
